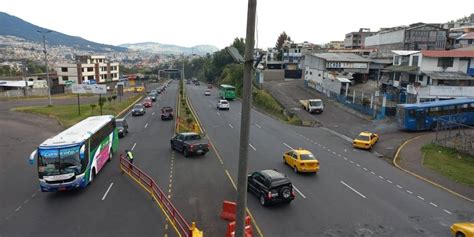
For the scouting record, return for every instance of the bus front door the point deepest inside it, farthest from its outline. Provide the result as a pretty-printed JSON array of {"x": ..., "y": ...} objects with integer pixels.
[{"x": 420, "y": 119}]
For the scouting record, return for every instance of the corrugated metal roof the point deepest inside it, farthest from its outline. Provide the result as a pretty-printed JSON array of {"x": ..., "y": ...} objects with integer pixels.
[
  {"x": 79, "y": 131},
  {"x": 341, "y": 57},
  {"x": 448, "y": 53},
  {"x": 448, "y": 75},
  {"x": 466, "y": 36}
]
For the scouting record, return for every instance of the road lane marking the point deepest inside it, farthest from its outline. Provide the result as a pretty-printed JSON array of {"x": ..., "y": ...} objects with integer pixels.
[
  {"x": 372, "y": 172},
  {"x": 153, "y": 113},
  {"x": 365, "y": 169},
  {"x": 319, "y": 144},
  {"x": 380, "y": 177},
  {"x": 230, "y": 125},
  {"x": 133, "y": 147},
  {"x": 252, "y": 147},
  {"x": 231, "y": 180},
  {"x": 345, "y": 158},
  {"x": 339, "y": 155},
  {"x": 146, "y": 125},
  {"x": 107, "y": 192},
  {"x": 389, "y": 181},
  {"x": 447, "y": 211},
  {"x": 434, "y": 205},
  {"x": 357, "y": 165},
  {"x": 420, "y": 197},
  {"x": 302, "y": 195},
  {"x": 219, "y": 114},
  {"x": 334, "y": 153},
  {"x": 258, "y": 126},
  {"x": 398, "y": 186},
  {"x": 17, "y": 209},
  {"x": 410, "y": 192},
  {"x": 291, "y": 148},
  {"x": 324, "y": 147},
  {"x": 352, "y": 162},
  {"x": 351, "y": 188}
]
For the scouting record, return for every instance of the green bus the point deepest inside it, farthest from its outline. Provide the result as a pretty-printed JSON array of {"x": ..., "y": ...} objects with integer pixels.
[{"x": 227, "y": 92}]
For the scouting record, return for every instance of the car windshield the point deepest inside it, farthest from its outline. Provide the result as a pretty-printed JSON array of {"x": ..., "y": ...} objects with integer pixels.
[
  {"x": 138, "y": 107},
  {"x": 167, "y": 110},
  {"x": 224, "y": 102},
  {"x": 315, "y": 103},
  {"x": 61, "y": 161},
  {"x": 363, "y": 138},
  {"x": 307, "y": 157},
  {"x": 193, "y": 137}
]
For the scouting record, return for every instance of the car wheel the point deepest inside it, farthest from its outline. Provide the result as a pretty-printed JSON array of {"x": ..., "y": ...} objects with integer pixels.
[
  {"x": 263, "y": 202},
  {"x": 185, "y": 153},
  {"x": 111, "y": 154},
  {"x": 285, "y": 193},
  {"x": 459, "y": 234},
  {"x": 92, "y": 176},
  {"x": 295, "y": 169}
]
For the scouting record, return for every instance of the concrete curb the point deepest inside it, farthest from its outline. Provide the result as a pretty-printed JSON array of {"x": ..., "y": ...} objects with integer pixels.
[
  {"x": 128, "y": 107},
  {"x": 421, "y": 177}
]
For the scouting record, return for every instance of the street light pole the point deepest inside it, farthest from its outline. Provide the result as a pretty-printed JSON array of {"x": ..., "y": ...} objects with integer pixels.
[
  {"x": 245, "y": 121},
  {"x": 46, "y": 62}
]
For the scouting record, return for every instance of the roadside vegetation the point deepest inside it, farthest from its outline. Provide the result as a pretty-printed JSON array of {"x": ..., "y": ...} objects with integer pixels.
[
  {"x": 185, "y": 119},
  {"x": 67, "y": 115},
  {"x": 450, "y": 163}
]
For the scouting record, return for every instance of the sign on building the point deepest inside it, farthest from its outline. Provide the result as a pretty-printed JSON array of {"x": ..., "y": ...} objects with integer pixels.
[
  {"x": 345, "y": 65},
  {"x": 85, "y": 88}
]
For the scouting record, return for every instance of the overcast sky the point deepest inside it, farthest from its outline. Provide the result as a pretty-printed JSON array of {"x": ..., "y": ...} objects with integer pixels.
[{"x": 218, "y": 22}]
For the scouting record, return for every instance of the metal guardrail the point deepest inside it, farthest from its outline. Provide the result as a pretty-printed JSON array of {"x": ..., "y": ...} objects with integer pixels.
[{"x": 177, "y": 220}]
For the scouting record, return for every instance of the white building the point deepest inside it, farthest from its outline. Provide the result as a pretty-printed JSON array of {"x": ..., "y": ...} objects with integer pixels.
[{"x": 88, "y": 69}]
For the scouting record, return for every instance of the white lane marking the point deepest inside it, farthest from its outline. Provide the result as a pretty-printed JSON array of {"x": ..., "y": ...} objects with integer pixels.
[
  {"x": 107, "y": 192},
  {"x": 334, "y": 153},
  {"x": 352, "y": 162},
  {"x": 351, "y": 188},
  {"x": 443, "y": 224},
  {"x": 339, "y": 155},
  {"x": 18, "y": 208},
  {"x": 357, "y": 165},
  {"x": 291, "y": 148},
  {"x": 420, "y": 197},
  {"x": 319, "y": 144},
  {"x": 258, "y": 126},
  {"x": 146, "y": 125},
  {"x": 434, "y": 205},
  {"x": 410, "y": 192},
  {"x": 447, "y": 211},
  {"x": 252, "y": 147},
  {"x": 302, "y": 195},
  {"x": 398, "y": 186},
  {"x": 230, "y": 125},
  {"x": 345, "y": 150},
  {"x": 389, "y": 181},
  {"x": 324, "y": 147},
  {"x": 365, "y": 169},
  {"x": 372, "y": 172},
  {"x": 219, "y": 114},
  {"x": 133, "y": 147},
  {"x": 380, "y": 177},
  {"x": 345, "y": 158},
  {"x": 153, "y": 113}
]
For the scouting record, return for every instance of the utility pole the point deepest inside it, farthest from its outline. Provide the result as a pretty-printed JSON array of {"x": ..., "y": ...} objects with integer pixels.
[
  {"x": 182, "y": 71},
  {"x": 46, "y": 62},
  {"x": 245, "y": 121}
]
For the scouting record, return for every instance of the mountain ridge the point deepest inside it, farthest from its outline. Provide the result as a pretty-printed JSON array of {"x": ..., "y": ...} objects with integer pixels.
[{"x": 170, "y": 48}]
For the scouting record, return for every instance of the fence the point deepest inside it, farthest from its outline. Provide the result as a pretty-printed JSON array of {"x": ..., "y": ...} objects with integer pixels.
[
  {"x": 455, "y": 135},
  {"x": 179, "y": 223},
  {"x": 21, "y": 93}
]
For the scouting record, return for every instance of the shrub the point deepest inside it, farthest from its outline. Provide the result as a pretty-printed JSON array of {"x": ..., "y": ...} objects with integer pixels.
[{"x": 189, "y": 120}]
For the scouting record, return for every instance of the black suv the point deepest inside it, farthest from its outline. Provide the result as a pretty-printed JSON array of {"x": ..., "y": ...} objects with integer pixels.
[{"x": 270, "y": 186}]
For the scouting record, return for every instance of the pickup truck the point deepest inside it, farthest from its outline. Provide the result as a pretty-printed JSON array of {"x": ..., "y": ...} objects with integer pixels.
[
  {"x": 189, "y": 143},
  {"x": 313, "y": 105}
]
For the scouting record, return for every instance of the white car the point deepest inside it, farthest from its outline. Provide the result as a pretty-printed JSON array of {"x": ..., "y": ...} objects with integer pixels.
[
  {"x": 207, "y": 93},
  {"x": 223, "y": 104}
]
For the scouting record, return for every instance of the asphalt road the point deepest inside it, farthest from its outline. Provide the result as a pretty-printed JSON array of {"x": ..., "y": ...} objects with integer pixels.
[
  {"x": 112, "y": 206},
  {"x": 354, "y": 194}
]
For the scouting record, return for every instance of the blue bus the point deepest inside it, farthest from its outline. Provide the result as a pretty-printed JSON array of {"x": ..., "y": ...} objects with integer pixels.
[{"x": 423, "y": 116}]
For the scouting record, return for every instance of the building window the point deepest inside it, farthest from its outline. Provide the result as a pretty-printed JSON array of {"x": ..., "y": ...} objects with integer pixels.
[
  {"x": 65, "y": 78},
  {"x": 90, "y": 78},
  {"x": 90, "y": 69},
  {"x": 396, "y": 60},
  {"x": 64, "y": 69},
  {"x": 415, "y": 61},
  {"x": 445, "y": 62}
]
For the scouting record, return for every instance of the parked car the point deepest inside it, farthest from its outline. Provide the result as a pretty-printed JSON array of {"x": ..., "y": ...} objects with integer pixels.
[
  {"x": 166, "y": 113},
  {"x": 270, "y": 186},
  {"x": 207, "y": 93},
  {"x": 147, "y": 102},
  {"x": 189, "y": 143},
  {"x": 462, "y": 229},
  {"x": 122, "y": 127},
  {"x": 197, "y": 83},
  {"x": 209, "y": 86},
  {"x": 223, "y": 104},
  {"x": 301, "y": 161},
  {"x": 138, "y": 109},
  {"x": 365, "y": 140}
]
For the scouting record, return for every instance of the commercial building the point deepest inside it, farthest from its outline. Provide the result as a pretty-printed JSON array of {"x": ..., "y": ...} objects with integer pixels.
[
  {"x": 419, "y": 36},
  {"x": 88, "y": 69}
]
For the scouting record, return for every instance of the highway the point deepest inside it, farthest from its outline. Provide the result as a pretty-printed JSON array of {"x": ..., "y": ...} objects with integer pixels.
[{"x": 354, "y": 194}]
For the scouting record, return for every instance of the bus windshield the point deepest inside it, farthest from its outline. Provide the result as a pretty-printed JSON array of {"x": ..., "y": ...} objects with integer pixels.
[
  {"x": 60, "y": 161},
  {"x": 230, "y": 89}
]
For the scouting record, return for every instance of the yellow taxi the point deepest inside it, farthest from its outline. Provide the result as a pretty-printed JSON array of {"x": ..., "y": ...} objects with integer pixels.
[
  {"x": 365, "y": 140},
  {"x": 462, "y": 229},
  {"x": 301, "y": 161},
  {"x": 139, "y": 89}
]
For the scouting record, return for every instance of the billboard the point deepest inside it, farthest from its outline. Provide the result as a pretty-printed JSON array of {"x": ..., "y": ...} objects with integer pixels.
[{"x": 86, "y": 88}]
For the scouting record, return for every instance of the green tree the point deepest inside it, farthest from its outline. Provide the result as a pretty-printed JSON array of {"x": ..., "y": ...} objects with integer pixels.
[
  {"x": 239, "y": 44},
  {"x": 281, "y": 39}
]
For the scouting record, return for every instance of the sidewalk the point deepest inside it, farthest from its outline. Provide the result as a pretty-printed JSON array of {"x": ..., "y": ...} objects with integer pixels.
[{"x": 410, "y": 158}]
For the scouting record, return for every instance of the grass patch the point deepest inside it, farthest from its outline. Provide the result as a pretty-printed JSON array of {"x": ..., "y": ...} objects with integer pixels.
[
  {"x": 58, "y": 96},
  {"x": 263, "y": 100},
  {"x": 68, "y": 115},
  {"x": 450, "y": 163}
]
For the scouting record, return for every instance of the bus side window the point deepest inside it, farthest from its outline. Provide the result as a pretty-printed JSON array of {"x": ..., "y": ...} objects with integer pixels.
[
  {"x": 434, "y": 111},
  {"x": 471, "y": 107},
  {"x": 449, "y": 110}
]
